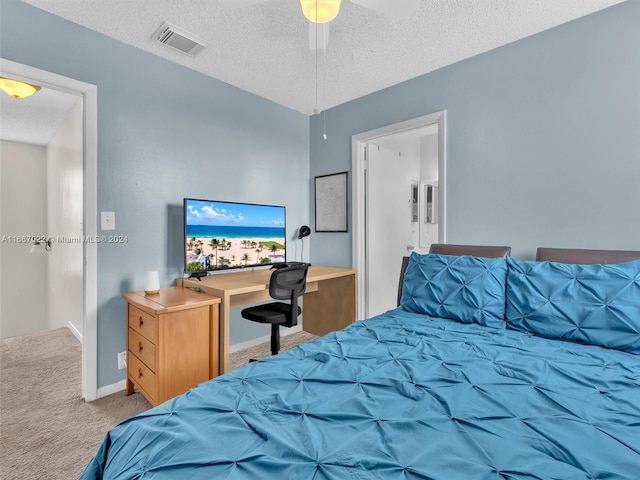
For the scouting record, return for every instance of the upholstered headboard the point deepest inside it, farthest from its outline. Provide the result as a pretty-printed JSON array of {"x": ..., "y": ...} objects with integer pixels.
[
  {"x": 560, "y": 255},
  {"x": 487, "y": 251},
  {"x": 576, "y": 255}
]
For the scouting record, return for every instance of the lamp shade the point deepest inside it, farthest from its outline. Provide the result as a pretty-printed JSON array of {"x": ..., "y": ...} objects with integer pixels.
[
  {"x": 304, "y": 231},
  {"x": 16, "y": 88},
  {"x": 152, "y": 283},
  {"x": 320, "y": 11}
]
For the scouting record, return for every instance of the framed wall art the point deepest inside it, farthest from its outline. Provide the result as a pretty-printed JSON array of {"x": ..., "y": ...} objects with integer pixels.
[{"x": 331, "y": 202}]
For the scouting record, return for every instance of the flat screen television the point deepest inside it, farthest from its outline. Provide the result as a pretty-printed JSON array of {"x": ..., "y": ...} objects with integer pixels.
[{"x": 224, "y": 235}]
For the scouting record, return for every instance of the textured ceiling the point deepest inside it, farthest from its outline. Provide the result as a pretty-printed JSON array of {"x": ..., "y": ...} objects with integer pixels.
[{"x": 264, "y": 49}]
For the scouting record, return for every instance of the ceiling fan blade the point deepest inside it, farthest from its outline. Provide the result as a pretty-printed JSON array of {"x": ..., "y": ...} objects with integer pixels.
[
  {"x": 396, "y": 8},
  {"x": 318, "y": 36},
  {"x": 239, "y": 3}
]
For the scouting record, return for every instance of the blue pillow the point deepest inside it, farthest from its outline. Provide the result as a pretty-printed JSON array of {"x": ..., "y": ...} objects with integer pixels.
[
  {"x": 594, "y": 304},
  {"x": 463, "y": 288}
]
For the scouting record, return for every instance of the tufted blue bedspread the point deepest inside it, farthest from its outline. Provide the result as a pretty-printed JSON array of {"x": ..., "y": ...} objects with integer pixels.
[{"x": 399, "y": 396}]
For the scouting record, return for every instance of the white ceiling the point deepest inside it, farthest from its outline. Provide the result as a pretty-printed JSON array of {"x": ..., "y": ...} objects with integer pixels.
[
  {"x": 263, "y": 48},
  {"x": 34, "y": 119}
]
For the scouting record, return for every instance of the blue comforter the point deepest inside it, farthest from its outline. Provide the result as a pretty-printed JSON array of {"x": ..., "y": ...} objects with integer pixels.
[{"x": 399, "y": 396}]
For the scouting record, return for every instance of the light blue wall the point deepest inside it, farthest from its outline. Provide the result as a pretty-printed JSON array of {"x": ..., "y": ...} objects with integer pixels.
[
  {"x": 164, "y": 133},
  {"x": 543, "y": 139}
]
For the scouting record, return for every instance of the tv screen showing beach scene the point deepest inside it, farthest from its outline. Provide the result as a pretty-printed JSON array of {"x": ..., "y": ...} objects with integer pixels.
[{"x": 221, "y": 235}]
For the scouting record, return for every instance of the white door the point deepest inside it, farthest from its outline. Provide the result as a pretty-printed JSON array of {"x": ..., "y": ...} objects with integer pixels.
[{"x": 389, "y": 177}]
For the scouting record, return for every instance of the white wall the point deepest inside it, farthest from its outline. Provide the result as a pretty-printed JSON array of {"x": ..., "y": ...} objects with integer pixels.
[
  {"x": 428, "y": 174},
  {"x": 419, "y": 151},
  {"x": 23, "y": 292},
  {"x": 390, "y": 174},
  {"x": 64, "y": 220},
  {"x": 412, "y": 157},
  {"x": 429, "y": 157}
]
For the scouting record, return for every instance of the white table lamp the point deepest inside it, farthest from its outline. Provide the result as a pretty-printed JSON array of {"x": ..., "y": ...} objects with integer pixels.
[{"x": 152, "y": 283}]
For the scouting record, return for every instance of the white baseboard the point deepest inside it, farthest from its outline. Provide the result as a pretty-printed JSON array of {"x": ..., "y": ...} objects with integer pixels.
[
  {"x": 75, "y": 331},
  {"x": 110, "y": 389},
  {"x": 257, "y": 341}
]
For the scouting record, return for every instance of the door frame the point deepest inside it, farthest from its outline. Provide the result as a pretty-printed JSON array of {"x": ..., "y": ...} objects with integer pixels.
[
  {"x": 89, "y": 94},
  {"x": 358, "y": 187}
]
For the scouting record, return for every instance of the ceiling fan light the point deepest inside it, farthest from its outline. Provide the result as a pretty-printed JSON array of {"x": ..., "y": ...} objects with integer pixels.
[
  {"x": 320, "y": 11},
  {"x": 16, "y": 88}
]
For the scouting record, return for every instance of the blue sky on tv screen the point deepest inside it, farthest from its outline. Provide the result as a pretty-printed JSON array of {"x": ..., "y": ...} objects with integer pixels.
[{"x": 204, "y": 212}]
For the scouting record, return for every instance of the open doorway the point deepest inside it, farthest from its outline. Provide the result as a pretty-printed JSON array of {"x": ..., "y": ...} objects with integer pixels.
[
  {"x": 41, "y": 168},
  {"x": 399, "y": 203},
  {"x": 80, "y": 180}
]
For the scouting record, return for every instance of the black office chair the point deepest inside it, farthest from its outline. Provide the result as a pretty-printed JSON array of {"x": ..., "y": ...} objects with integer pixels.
[{"x": 286, "y": 283}]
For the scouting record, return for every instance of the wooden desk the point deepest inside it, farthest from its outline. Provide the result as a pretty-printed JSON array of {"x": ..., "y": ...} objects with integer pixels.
[{"x": 330, "y": 300}]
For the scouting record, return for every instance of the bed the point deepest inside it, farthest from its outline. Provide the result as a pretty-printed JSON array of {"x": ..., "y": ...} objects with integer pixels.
[{"x": 443, "y": 387}]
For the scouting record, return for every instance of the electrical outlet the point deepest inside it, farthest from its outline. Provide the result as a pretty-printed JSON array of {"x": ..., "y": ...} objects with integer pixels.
[{"x": 122, "y": 360}]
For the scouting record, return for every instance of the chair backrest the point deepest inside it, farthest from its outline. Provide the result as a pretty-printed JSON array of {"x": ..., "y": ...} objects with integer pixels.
[
  {"x": 487, "y": 251},
  {"x": 288, "y": 283}
]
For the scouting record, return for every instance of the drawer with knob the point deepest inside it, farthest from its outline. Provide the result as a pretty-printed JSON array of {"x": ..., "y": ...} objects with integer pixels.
[
  {"x": 142, "y": 348},
  {"x": 143, "y": 323},
  {"x": 144, "y": 378}
]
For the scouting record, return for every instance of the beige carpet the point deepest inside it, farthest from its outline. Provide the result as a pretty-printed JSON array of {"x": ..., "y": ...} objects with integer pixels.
[
  {"x": 46, "y": 430},
  {"x": 241, "y": 357}
]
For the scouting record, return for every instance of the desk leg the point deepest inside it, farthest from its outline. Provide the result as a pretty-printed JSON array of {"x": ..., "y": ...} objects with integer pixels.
[
  {"x": 332, "y": 307},
  {"x": 214, "y": 341},
  {"x": 225, "y": 308}
]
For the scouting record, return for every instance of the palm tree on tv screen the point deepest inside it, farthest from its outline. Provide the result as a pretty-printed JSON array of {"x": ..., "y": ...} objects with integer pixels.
[
  {"x": 258, "y": 251},
  {"x": 215, "y": 244}
]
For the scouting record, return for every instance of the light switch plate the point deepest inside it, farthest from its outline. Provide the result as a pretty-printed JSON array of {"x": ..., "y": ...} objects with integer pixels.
[{"x": 107, "y": 220}]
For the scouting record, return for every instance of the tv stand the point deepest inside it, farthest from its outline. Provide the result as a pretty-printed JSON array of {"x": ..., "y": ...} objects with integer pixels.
[{"x": 198, "y": 275}]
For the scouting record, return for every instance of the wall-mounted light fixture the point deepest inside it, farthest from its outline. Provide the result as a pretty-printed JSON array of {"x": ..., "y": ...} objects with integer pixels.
[
  {"x": 16, "y": 88},
  {"x": 320, "y": 11},
  {"x": 41, "y": 246},
  {"x": 304, "y": 231}
]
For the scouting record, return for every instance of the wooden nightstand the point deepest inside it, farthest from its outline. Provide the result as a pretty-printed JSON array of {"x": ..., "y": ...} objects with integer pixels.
[{"x": 172, "y": 341}]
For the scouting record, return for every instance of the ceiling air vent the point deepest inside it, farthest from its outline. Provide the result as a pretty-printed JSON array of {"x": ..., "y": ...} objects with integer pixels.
[{"x": 176, "y": 37}]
